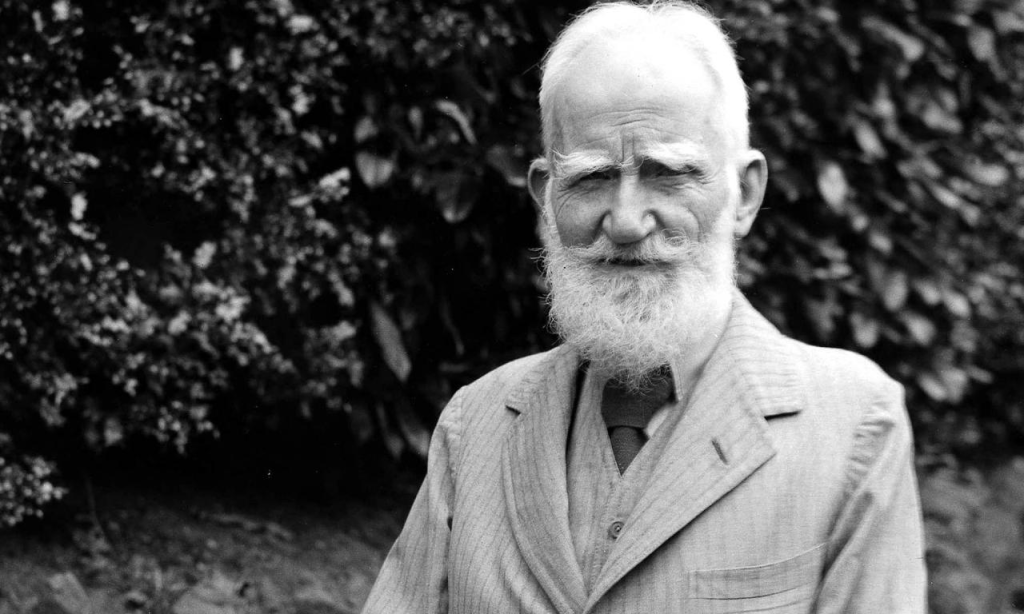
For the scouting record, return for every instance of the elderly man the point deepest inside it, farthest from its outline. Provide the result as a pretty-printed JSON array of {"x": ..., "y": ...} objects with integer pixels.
[{"x": 676, "y": 453}]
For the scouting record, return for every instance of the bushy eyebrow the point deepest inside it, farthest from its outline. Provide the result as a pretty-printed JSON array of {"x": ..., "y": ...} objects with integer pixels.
[
  {"x": 578, "y": 164},
  {"x": 677, "y": 157}
]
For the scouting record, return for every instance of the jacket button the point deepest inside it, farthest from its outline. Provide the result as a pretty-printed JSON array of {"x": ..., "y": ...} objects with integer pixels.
[{"x": 615, "y": 529}]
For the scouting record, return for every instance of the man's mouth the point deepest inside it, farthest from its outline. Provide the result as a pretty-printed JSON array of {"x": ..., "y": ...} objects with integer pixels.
[
  {"x": 634, "y": 263},
  {"x": 626, "y": 262}
]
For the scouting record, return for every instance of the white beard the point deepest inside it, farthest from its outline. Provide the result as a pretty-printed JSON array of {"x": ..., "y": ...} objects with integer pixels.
[{"x": 628, "y": 322}]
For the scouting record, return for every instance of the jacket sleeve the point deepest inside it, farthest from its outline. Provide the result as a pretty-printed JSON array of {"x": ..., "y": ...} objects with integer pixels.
[
  {"x": 414, "y": 577},
  {"x": 876, "y": 551}
]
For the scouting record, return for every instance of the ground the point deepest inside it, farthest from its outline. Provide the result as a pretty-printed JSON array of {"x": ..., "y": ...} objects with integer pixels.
[
  {"x": 188, "y": 551},
  {"x": 183, "y": 550}
]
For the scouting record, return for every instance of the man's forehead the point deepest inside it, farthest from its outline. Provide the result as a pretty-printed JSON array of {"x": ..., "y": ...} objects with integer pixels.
[
  {"x": 657, "y": 90},
  {"x": 657, "y": 67}
]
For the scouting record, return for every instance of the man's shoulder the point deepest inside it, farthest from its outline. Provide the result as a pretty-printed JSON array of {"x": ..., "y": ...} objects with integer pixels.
[
  {"x": 478, "y": 410},
  {"x": 514, "y": 370},
  {"x": 843, "y": 387},
  {"x": 505, "y": 380},
  {"x": 768, "y": 349},
  {"x": 836, "y": 376},
  {"x": 829, "y": 363}
]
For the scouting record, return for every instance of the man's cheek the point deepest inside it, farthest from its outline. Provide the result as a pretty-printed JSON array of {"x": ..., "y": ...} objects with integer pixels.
[
  {"x": 577, "y": 221},
  {"x": 708, "y": 216}
]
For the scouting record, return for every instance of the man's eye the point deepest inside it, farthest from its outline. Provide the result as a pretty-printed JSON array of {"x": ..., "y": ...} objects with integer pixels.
[
  {"x": 596, "y": 176},
  {"x": 664, "y": 171}
]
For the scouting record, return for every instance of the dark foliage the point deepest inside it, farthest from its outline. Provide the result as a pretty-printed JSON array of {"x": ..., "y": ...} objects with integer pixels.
[{"x": 284, "y": 216}]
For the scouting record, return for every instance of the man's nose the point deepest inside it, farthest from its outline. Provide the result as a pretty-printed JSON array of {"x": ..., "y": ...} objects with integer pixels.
[{"x": 630, "y": 218}]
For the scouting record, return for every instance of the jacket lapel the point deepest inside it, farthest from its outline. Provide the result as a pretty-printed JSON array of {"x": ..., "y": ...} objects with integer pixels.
[
  {"x": 534, "y": 478},
  {"x": 719, "y": 441}
]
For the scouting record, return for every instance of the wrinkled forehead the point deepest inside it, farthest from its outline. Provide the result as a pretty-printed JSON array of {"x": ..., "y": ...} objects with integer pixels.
[{"x": 633, "y": 87}]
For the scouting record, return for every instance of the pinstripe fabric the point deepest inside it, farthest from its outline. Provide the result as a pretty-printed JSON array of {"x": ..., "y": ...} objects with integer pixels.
[
  {"x": 598, "y": 495},
  {"x": 787, "y": 486}
]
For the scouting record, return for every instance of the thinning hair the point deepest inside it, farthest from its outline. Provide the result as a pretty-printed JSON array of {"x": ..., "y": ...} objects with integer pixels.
[{"x": 681, "y": 20}]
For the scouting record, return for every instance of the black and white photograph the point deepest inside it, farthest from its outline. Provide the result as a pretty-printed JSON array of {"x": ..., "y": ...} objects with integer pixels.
[{"x": 501, "y": 307}]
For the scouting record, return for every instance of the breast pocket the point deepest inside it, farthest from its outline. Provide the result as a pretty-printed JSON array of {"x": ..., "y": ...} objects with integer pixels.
[{"x": 786, "y": 586}]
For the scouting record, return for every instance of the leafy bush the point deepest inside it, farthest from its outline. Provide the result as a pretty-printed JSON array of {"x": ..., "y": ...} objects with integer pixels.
[
  {"x": 896, "y": 148},
  {"x": 25, "y": 487},
  {"x": 229, "y": 217},
  {"x": 178, "y": 259}
]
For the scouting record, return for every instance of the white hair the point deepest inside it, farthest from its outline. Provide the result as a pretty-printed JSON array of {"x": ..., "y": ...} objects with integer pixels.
[
  {"x": 629, "y": 323},
  {"x": 685, "y": 21}
]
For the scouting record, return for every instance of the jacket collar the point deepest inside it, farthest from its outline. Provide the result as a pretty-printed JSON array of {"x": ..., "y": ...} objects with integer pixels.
[
  {"x": 534, "y": 480},
  {"x": 719, "y": 441}
]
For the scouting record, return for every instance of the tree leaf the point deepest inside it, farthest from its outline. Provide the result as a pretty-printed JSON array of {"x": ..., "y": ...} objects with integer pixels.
[
  {"x": 365, "y": 129},
  {"x": 989, "y": 175},
  {"x": 78, "y": 207},
  {"x": 944, "y": 195},
  {"x": 911, "y": 46},
  {"x": 374, "y": 170},
  {"x": 955, "y": 380},
  {"x": 928, "y": 290},
  {"x": 940, "y": 119},
  {"x": 389, "y": 338},
  {"x": 865, "y": 330},
  {"x": 931, "y": 386},
  {"x": 980, "y": 375},
  {"x": 453, "y": 111},
  {"x": 456, "y": 193},
  {"x": 868, "y": 139},
  {"x": 300, "y": 24},
  {"x": 360, "y": 422},
  {"x": 113, "y": 431},
  {"x": 393, "y": 441},
  {"x": 1008, "y": 21},
  {"x": 922, "y": 330},
  {"x": 832, "y": 185},
  {"x": 896, "y": 290},
  {"x": 822, "y": 316},
  {"x": 416, "y": 434},
  {"x": 502, "y": 159},
  {"x": 982, "y": 42},
  {"x": 415, "y": 117},
  {"x": 880, "y": 241},
  {"x": 957, "y": 303}
]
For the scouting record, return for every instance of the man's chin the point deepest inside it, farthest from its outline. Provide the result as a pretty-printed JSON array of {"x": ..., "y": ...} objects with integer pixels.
[
  {"x": 637, "y": 329},
  {"x": 625, "y": 350},
  {"x": 635, "y": 286}
]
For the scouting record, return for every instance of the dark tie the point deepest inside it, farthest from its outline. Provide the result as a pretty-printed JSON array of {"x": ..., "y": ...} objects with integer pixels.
[{"x": 626, "y": 413}]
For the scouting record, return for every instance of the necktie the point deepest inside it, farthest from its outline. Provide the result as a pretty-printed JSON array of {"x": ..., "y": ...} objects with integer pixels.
[{"x": 626, "y": 413}]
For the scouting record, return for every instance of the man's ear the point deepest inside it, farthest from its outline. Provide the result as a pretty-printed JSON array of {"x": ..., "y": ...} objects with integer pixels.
[
  {"x": 537, "y": 182},
  {"x": 753, "y": 170}
]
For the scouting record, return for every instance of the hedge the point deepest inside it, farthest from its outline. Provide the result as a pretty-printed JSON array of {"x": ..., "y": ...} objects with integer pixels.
[{"x": 234, "y": 217}]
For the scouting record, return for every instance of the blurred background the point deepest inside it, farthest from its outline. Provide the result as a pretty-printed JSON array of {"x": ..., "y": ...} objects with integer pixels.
[{"x": 250, "y": 248}]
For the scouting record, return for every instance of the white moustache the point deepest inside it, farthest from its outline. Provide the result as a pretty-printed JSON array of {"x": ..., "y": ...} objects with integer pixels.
[
  {"x": 657, "y": 250},
  {"x": 628, "y": 319}
]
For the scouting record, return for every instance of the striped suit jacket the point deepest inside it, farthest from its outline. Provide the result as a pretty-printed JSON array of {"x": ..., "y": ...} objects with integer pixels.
[{"x": 787, "y": 486}]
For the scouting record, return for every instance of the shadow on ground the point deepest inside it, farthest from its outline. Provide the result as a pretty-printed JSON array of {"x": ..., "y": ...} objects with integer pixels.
[
  {"x": 179, "y": 550},
  {"x": 184, "y": 551}
]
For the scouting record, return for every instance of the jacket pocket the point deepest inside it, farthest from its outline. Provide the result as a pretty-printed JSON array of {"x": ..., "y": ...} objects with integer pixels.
[{"x": 788, "y": 585}]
